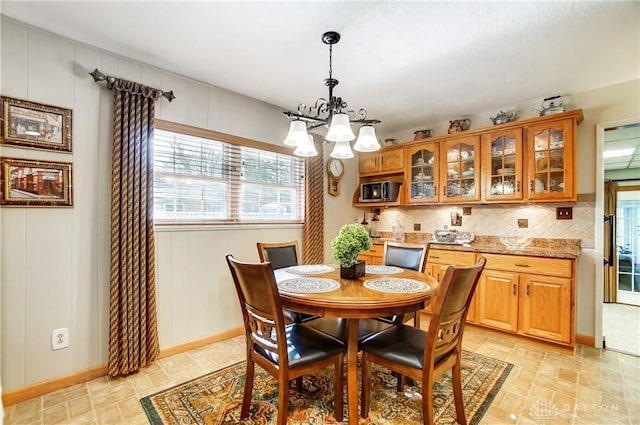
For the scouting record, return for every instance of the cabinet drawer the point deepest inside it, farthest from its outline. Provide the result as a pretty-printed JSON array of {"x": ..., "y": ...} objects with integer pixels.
[
  {"x": 376, "y": 250},
  {"x": 533, "y": 265},
  {"x": 458, "y": 258}
]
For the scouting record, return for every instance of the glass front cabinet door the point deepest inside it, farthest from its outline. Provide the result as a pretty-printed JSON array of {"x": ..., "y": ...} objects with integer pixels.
[
  {"x": 460, "y": 170},
  {"x": 502, "y": 165},
  {"x": 550, "y": 164},
  {"x": 422, "y": 169}
]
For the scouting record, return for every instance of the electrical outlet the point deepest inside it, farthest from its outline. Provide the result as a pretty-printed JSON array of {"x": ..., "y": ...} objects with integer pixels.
[
  {"x": 59, "y": 338},
  {"x": 523, "y": 223},
  {"x": 416, "y": 227},
  {"x": 466, "y": 210},
  {"x": 564, "y": 213}
]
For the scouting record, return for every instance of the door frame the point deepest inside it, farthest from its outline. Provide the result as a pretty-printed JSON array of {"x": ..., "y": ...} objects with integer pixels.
[{"x": 599, "y": 225}]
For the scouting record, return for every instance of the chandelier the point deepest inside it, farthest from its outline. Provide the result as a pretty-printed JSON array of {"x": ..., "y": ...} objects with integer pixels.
[{"x": 334, "y": 114}]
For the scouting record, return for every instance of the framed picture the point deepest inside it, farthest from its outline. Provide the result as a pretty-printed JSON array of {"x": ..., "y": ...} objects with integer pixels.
[
  {"x": 34, "y": 183},
  {"x": 33, "y": 125}
]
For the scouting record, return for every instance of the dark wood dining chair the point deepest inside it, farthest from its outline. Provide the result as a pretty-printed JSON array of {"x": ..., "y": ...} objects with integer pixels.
[
  {"x": 425, "y": 356},
  {"x": 286, "y": 351},
  {"x": 281, "y": 255},
  {"x": 406, "y": 256}
]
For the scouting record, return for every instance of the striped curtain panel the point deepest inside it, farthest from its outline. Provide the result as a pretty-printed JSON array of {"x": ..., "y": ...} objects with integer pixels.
[
  {"x": 133, "y": 332},
  {"x": 313, "y": 229}
]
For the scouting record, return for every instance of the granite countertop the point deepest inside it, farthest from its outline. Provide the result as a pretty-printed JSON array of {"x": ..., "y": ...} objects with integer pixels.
[{"x": 539, "y": 247}]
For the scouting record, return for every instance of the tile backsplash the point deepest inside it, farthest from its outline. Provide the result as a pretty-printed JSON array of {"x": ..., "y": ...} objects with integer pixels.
[{"x": 500, "y": 220}]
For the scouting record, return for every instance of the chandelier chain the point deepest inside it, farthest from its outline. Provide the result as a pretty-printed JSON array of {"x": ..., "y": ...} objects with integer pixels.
[{"x": 330, "y": 61}]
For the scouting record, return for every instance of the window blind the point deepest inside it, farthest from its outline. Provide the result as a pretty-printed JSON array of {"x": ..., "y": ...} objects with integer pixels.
[{"x": 201, "y": 180}]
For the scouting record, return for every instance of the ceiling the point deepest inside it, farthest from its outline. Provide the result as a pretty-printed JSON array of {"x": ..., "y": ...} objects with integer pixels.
[
  {"x": 407, "y": 63},
  {"x": 621, "y": 140}
]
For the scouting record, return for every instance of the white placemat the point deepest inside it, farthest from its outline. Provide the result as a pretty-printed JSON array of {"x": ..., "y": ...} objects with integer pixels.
[
  {"x": 310, "y": 269},
  {"x": 308, "y": 285},
  {"x": 383, "y": 270},
  {"x": 396, "y": 285}
]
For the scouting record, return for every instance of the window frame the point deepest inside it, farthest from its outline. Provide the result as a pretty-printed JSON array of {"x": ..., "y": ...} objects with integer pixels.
[{"x": 243, "y": 143}]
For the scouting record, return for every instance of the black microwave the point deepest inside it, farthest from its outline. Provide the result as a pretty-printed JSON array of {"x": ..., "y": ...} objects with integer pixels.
[{"x": 386, "y": 191}]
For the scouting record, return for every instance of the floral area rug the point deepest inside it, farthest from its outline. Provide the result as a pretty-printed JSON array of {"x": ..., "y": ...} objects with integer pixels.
[{"x": 216, "y": 398}]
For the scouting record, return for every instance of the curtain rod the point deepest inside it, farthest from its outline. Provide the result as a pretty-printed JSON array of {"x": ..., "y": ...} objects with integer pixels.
[{"x": 99, "y": 76}]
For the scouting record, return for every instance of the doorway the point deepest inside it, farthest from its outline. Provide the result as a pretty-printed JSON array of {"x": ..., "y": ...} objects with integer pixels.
[
  {"x": 618, "y": 239},
  {"x": 628, "y": 245}
]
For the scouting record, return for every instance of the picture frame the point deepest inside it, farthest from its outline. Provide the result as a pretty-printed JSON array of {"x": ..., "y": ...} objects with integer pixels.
[
  {"x": 35, "y": 183},
  {"x": 34, "y": 125}
]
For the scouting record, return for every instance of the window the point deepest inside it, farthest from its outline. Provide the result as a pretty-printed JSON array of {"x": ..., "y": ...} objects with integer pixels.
[{"x": 202, "y": 178}]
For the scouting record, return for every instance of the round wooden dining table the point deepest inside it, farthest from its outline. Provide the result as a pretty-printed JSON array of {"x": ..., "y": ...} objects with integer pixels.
[{"x": 383, "y": 291}]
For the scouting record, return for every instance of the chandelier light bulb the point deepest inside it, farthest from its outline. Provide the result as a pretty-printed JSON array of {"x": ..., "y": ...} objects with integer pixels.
[
  {"x": 297, "y": 133},
  {"x": 342, "y": 150},
  {"x": 306, "y": 149},
  {"x": 367, "y": 140},
  {"x": 340, "y": 129}
]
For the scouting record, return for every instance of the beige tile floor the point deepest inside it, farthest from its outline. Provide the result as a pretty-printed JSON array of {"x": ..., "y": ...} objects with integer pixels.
[{"x": 544, "y": 387}]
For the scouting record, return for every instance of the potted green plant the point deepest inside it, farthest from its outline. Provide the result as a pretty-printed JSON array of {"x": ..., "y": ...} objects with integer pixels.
[{"x": 352, "y": 239}]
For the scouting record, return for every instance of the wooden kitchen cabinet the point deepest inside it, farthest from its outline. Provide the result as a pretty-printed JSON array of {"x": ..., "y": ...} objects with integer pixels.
[
  {"x": 497, "y": 300},
  {"x": 373, "y": 257},
  {"x": 502, "y": 171},
  {"x": 422, "y": 173},
  {"x": 460, "y": 169},
  {"x": 389, "y": 161},
  {"x": 531, "y": 296},
  {"x": 532, "y": 160},
  {"x": 550, "y": 161},
  {"x": 546, "y": 307}
]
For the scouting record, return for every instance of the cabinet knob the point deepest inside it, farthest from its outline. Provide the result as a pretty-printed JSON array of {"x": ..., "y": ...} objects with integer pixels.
[
  {"x": 515, "y": 289},
  {"x": 521, "y": 265}
]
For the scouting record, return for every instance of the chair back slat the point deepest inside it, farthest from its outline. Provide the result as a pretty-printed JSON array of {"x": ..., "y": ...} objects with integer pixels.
[
  {"x": 262, "y": 331},
  {"x": 450, "y": 308}
]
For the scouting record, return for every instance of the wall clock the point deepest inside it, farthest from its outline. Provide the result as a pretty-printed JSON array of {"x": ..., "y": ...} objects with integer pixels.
[{"x": 335, "y": 170}]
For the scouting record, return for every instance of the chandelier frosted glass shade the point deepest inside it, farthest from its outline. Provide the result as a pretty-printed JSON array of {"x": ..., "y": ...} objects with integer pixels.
[
  {"x": 342, "y": 150},
  {"x": 367, "y": 140},
  {"x": 340, "y": 129},
  {"x": 306, "y": 149},
  {"x": 297, "y": 133}
]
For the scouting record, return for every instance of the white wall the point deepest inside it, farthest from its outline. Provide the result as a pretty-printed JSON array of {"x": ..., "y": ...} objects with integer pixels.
[{"x": 55, "y": 261}]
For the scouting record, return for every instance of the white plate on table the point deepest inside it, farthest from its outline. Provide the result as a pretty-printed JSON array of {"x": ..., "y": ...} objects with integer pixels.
[
  {"x": 307, "y": 285},
  {"x": 383, "y": 270},
  {"x": 396, "y": 285},
  {"x": 310, "y": 269}
]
